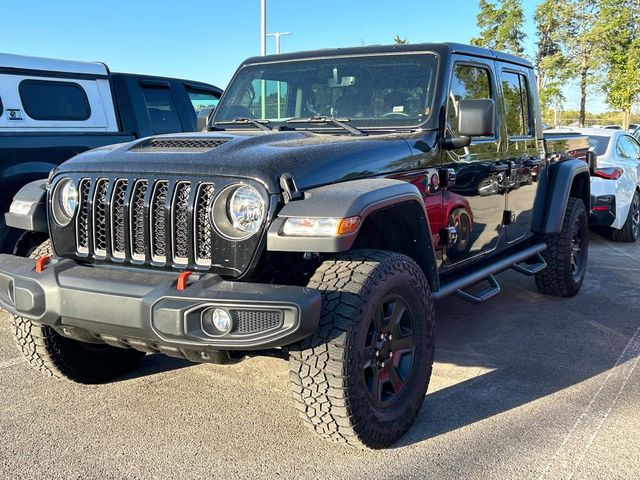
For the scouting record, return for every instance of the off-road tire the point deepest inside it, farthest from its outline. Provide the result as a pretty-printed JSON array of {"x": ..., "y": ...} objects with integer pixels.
[
  {"x": 326, "y": 370},
  {"x": 558, "y": 278},
  {"x": 64, "y": 358},
  {"x": 630, "y": 230}
]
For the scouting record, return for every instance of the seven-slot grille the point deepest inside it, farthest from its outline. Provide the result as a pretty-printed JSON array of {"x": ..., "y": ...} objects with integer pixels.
[{"x": 164, "y": 221}]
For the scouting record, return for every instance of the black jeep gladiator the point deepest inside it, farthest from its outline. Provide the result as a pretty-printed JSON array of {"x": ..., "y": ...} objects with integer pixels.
[{"x": 333, "y": 198}]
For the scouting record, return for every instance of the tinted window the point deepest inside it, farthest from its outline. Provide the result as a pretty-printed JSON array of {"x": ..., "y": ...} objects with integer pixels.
[
  {"x": 628, "y": 148},
  {"x": 516, "y": 104},
  {"x": 598, "y": 145},
  {"x": 162, "y": 109},
  {"x": 201, "y": 99},
  {"x": 468, "y": 83},
  {"x": 47, "y": 100}
]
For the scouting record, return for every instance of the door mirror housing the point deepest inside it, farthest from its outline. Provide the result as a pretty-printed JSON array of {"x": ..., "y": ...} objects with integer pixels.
[
  {"x": 202, "y": 121},
  {"x": 477, "y": 118}
]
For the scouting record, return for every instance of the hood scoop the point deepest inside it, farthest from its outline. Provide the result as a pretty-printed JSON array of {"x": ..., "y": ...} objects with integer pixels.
[{"x": 180, "y": 145}]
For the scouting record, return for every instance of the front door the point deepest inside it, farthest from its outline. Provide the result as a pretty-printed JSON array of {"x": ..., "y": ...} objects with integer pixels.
[{"x": 475, "y": 203}]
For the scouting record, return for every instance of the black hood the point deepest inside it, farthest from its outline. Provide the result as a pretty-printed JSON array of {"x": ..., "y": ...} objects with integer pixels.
[{"x": 312, "y": 159}]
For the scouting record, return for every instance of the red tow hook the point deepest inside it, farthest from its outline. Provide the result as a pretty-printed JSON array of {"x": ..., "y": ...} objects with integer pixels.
[
  {"x": 41, "y": 263},
  {"x": 182, "y": 281}
]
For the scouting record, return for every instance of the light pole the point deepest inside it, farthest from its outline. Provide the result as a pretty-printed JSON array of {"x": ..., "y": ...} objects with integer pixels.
[
  {"x": 263, "y": 27},
  {"x": 277, "y": 36},
  {"x": 263, "y": 52}
]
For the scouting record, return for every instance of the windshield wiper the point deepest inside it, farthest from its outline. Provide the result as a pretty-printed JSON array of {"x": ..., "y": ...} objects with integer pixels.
[
  {"x": 261, "y": 124},
  {"x": 338, "y": 122}
]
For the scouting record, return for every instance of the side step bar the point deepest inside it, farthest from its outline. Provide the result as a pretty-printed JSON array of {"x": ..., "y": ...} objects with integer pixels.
[{"x": 487, "y": 273}]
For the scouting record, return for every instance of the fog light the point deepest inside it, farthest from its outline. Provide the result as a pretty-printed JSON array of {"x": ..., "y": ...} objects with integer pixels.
[{"x": 216, "y": 322}]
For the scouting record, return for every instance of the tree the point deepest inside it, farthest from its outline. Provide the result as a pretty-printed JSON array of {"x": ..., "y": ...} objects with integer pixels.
[
  {"x": 501, "y": 26},
  {"x": 550, "y": 60},
  {"x": 580, "y": 42},
  {"x": 400, "y": 41},
  {"x": 618, "y": 28}
]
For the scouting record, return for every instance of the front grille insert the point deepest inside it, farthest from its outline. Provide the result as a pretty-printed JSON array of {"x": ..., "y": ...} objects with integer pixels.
[
  {"x": 202, "y": 225},
  {"x": 247, "y": 322},
  {"x": 82, "y": 221},
  {"x": 180, "y": 219},
  {"x": 118, "y": 227},
  {"x": 159, "y": 222},
  {"x": 178, "y": 145},
  {"x": 136, "y": 220},
  {"x": 164, "y": 222},
  {"x": 100, "y": 209}
]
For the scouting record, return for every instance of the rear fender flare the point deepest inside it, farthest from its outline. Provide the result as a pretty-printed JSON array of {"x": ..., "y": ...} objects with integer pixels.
[{"x": 569, "y": 178}]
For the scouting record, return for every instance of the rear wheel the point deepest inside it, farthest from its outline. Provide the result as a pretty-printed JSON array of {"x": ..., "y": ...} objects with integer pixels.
[
  {"x": 60, "y": 357},
  {"x": 631, "y": 228},
  {"x": 362, "y": 377},
  {"x": 566, "y": 254}
]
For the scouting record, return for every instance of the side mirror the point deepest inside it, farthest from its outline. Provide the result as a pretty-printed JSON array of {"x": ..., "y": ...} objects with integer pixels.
[
  {"x": 592, "y": 161},
  {"x": 202, "y": 121},
  {"x": 477, "y": 118}
]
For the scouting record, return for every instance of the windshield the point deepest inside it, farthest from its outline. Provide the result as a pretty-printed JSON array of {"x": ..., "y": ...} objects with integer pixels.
[
  {"x": 369, "y": 91},
  {"x": 598, "y": 144}
]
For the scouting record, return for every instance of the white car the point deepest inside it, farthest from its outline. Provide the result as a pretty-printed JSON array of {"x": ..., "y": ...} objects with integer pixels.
[{"x": 615, "y": 185}]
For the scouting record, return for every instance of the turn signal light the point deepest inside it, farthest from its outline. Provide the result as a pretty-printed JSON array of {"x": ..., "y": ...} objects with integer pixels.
[{"x": 320, "y": 227}]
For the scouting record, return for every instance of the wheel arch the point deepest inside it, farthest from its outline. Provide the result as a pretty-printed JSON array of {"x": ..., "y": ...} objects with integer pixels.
[
  {"x": 378, "y": 203},
  {"x": 563, "y": 180}
]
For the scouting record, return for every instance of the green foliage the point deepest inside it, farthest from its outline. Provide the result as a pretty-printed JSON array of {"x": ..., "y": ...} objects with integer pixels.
[
  {"x": 400, "y": 41},
  {"x": 567, "y": 49},
  {"x": 618, "y": 28},
  {"x": 550, "y": 60},
  {"x": 501, "y": 26}
]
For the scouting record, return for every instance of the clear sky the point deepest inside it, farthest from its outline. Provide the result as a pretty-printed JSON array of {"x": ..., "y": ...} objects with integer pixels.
[{"x": 206, "y": 40}]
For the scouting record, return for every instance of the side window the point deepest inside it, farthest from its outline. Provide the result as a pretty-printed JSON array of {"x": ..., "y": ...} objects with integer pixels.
[
  {"x": 468, "y": 83},
  {"x": 162, "y": 109},
  {"x": 628, "y": 148},
  {"x": 202, "y": 99},
  {"x": 516, "y": 104},
  {"x": 50, "y": 100}
]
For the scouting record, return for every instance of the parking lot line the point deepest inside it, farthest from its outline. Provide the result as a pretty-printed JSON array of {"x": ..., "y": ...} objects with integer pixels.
[
  {"x": 571, "y": 452},
  {"x": 12, "y": 362}
]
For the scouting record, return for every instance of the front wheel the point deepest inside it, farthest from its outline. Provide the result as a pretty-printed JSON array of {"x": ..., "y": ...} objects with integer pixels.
[
  {"x": 566, "y": 254},
  {"x": 61, "y": 357},
  {"x": 631, "y": 228},
  {"x": 362, "y": 377}
]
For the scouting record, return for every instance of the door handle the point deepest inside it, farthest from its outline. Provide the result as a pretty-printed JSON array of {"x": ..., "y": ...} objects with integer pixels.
[{"x": 498, "y": 167}]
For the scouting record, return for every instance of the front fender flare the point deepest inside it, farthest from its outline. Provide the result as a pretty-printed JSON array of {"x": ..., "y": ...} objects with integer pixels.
[
  {"x": 361, "y": 198},
  {"x": 33, "y": 201}
]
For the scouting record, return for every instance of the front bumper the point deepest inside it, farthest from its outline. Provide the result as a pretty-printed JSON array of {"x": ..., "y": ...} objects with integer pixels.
[{"x": 145, "y": 310}]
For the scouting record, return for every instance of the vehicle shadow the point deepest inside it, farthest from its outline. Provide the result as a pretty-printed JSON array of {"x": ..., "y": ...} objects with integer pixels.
[
  {"x": 519, "y": 348},
  {"x": 155, "y": 363}
]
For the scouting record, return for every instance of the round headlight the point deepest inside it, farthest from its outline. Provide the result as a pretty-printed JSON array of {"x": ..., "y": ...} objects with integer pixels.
[
  {"x": 65, "y": 201},
  {"x": 246, "y": 209}
]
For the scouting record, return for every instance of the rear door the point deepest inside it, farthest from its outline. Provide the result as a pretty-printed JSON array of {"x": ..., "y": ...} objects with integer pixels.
[
  {"x": 523, "y": 153},
  {"x": 474, "y": 205}
]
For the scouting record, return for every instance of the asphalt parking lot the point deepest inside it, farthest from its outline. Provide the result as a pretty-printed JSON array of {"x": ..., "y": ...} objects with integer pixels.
[{"x": 524, "y": 386}]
